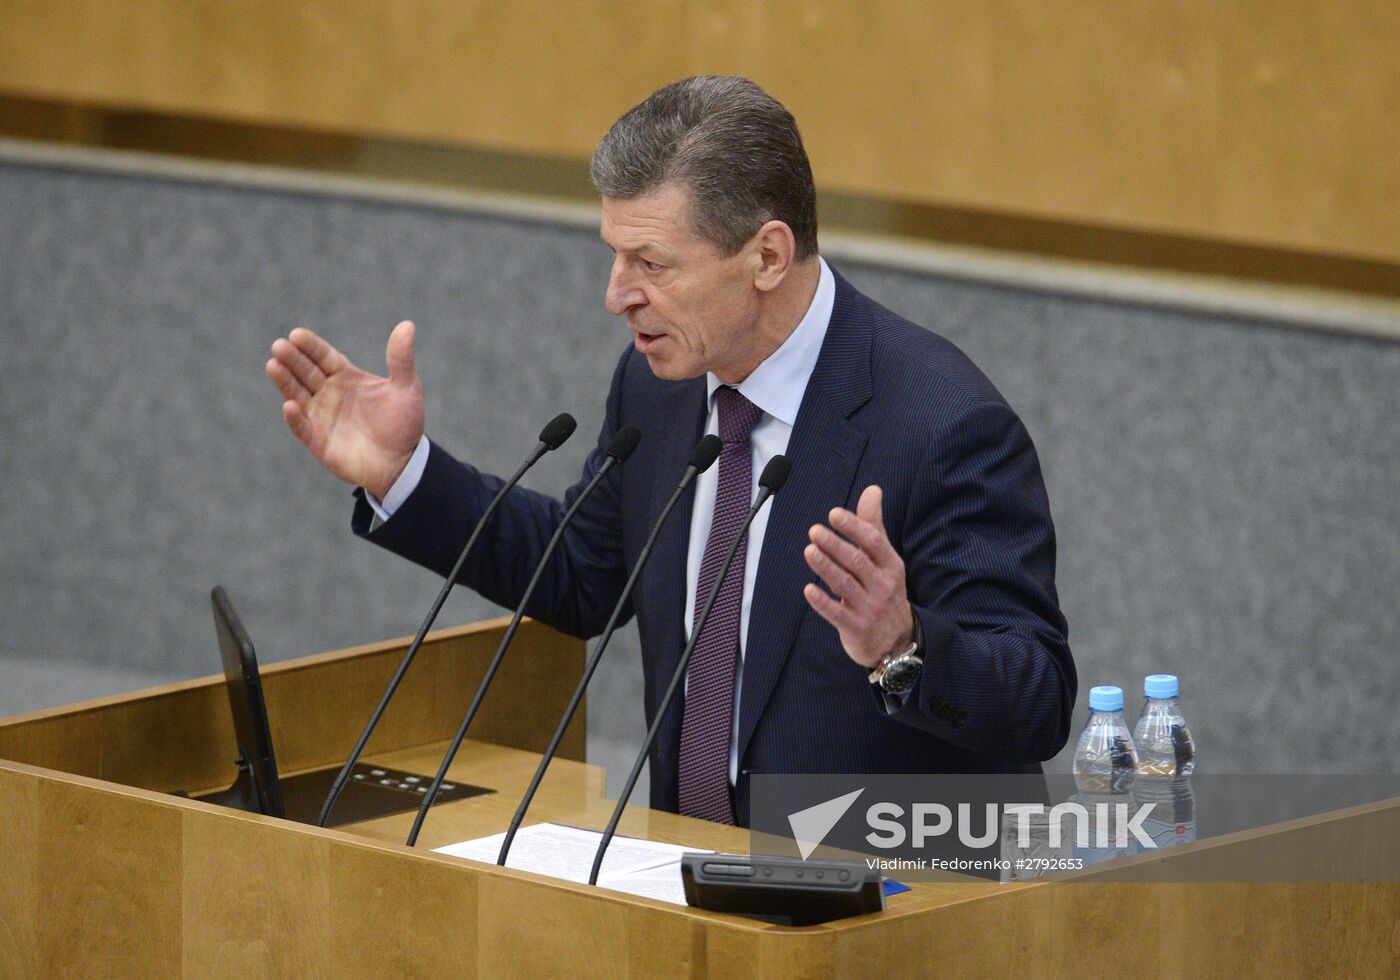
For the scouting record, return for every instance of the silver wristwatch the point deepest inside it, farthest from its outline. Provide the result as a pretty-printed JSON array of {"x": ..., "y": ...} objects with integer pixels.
[{"x": 899, "y": 672}]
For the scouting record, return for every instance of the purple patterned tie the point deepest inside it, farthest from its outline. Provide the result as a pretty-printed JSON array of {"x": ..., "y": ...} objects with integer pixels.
[{"x": 708, "y": 719}]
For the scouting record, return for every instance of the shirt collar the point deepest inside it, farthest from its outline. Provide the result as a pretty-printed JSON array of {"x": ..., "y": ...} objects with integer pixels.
[{"x": 776, "y": 386}]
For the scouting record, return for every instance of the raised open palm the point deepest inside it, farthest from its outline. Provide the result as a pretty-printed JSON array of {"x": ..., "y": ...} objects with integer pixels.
[{"x": 360, "y": 426}]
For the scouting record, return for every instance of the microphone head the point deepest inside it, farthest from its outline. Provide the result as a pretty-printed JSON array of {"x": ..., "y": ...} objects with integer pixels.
[
  {"x": 775, "y": 474},
  {"x": 624, "y": 442},
  {"x": 557, "y": 432},
  {"x": 706, "y": 451}
]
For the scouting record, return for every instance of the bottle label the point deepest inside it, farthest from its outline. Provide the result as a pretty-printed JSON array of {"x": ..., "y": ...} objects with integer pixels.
[{"x": 1165, "y": 833}]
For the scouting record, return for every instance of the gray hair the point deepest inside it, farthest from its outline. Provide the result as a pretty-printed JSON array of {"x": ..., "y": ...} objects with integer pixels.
[{"x": 731, "y": 144}]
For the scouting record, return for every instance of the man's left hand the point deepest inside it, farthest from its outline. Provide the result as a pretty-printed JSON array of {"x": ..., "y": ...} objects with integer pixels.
[{"x": 856, "y": 561}]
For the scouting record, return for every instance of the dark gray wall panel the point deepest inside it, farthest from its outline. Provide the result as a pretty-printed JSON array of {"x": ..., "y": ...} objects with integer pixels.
[{"x": 1224, "y": 489}]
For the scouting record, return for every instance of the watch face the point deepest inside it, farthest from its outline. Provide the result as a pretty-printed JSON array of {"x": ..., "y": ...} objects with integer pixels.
[{"x": 901, "y": 675}]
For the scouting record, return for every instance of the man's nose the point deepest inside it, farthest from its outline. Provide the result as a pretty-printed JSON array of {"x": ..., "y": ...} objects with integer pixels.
[{"x": 623, "y": 292}]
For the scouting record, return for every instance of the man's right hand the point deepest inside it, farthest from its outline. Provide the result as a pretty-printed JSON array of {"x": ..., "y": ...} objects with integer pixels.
[{"x": 363, "y": 428}]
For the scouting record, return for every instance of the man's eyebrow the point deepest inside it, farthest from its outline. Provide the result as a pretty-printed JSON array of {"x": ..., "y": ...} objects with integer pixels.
[{"x": 634, "y": 249}]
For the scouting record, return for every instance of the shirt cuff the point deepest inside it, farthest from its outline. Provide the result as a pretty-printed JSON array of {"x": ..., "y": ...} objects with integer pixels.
[{"x": 404, "y": 486}]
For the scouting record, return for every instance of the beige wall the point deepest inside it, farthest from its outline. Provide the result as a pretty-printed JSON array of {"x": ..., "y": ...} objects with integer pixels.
[{"x": 1264, "y": 122}]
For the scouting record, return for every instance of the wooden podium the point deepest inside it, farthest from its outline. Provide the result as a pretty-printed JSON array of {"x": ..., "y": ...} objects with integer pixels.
[{"x": 105, "y": 874}]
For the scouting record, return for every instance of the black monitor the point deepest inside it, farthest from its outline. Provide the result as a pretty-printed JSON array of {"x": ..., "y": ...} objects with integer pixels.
[
  {"x": 257, "y": 788},
  {"x": 373, "y": 791}
]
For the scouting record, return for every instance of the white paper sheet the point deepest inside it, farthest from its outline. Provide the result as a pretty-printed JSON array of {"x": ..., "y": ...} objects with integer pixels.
[{"x": 637, "y": 867}]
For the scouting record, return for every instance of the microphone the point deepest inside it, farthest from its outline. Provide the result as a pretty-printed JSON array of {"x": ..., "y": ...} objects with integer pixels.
[
  {"x": 552, "y": 436},
  {"x": 774, "y": 475},
  {"x": 702, "y": 457},
  {"x": 619, "y": 448}
]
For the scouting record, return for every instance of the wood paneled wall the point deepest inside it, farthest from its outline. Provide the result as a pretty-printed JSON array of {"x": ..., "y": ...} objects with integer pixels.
[{"x": 1257, "y": 122}]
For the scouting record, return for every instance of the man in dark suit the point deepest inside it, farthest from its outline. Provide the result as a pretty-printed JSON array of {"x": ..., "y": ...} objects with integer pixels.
[{"x": 916, "y": 499}]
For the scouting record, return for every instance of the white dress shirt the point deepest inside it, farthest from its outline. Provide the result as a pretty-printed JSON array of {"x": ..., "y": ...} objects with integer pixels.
[{"x": 776, "y": 386}]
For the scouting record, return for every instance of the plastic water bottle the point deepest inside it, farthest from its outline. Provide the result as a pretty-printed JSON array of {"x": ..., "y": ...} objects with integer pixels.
[
  {"x": 1104, "y": 765},
  {"x": 1172, "y": 819},
  {"x": 1105, "y": 759},
  {"x": 1164, "y": 743}
]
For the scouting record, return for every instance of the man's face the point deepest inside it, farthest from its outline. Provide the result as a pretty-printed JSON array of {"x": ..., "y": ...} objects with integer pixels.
[{"x": 692, "y": 309}]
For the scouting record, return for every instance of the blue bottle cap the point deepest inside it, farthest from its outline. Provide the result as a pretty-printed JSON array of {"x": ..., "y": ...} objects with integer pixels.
[
  {"x": 1106, "y": 699},
  {"x": 1159, "y": 686}
]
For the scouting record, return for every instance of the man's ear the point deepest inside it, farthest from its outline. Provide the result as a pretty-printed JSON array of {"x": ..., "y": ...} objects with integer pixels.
[{"x": 775, "y": 250}]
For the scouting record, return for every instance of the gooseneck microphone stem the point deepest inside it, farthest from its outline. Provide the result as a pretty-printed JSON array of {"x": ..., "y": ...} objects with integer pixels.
[
  {"x": 620, "y": 448},
  {"x": 700, "y": 460},
  {"x": 551, "y": 437},
  {"x": 774, "y": 475}
]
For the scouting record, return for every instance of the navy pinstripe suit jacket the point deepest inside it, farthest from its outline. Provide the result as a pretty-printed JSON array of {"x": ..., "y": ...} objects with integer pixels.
[{"x": 888, "y": 403}]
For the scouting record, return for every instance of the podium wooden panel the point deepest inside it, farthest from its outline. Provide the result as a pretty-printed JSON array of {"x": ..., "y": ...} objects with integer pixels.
[{"x": 105, "y": 874}]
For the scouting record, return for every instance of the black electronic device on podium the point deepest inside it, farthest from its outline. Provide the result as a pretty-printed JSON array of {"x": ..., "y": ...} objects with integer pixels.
[{"x": 373, "y": 791}]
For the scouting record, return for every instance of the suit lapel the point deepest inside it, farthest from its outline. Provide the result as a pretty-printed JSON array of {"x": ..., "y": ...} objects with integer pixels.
[
  {"x": 825, "y": 450},
  {"x": 680, "y": 410}
]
